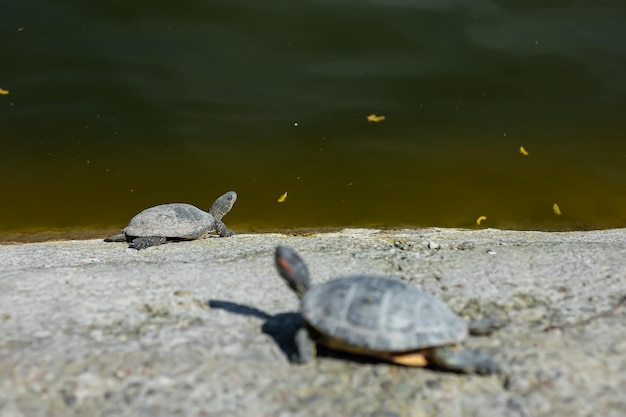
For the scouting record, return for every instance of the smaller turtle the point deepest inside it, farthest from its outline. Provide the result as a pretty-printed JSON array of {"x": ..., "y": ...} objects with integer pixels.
[
  {"x": 174, "y": 222},
  {"x": 379, "y": 317}
]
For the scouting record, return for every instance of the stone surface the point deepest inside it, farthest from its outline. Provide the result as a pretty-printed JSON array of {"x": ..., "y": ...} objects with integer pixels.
[{"x": 204, "y": 328}]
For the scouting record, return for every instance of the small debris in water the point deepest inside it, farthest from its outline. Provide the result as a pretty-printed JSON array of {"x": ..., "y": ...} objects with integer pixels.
[
  {"x": 480, "y": 219},
  {"x": 556, "y": 209},
  {"x": 374, "y": 118}
]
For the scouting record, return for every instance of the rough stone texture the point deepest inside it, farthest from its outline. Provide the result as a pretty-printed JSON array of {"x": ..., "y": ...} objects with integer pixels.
[{"x": 204, "y": 328}]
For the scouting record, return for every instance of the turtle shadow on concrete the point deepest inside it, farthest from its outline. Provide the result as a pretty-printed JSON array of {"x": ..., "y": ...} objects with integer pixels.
[{"x": 282, "y": 328}]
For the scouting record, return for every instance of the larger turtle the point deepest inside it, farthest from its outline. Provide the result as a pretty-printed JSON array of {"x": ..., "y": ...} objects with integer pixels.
[
  {"x": 379, "y": 317},
  {"x": 176, "y": 221}
]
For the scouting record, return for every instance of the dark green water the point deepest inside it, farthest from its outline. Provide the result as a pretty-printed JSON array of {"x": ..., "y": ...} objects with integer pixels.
[{"x": 115, "y": 106}]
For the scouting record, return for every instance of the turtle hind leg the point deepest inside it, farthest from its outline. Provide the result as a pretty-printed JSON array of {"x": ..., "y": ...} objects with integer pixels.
[
  {"x": 486, "y": 326},
  {"x": 117, "y": 238},
  {"x": 467, "y": 361},
  {"x": 146, "y": 242},
  {"x": 305, "y": 346}
]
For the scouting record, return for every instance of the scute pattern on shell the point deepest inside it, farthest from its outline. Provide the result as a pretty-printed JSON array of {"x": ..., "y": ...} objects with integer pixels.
[
  {"x": 381, "y": 314},
  {"x": 176, "y": 220}
]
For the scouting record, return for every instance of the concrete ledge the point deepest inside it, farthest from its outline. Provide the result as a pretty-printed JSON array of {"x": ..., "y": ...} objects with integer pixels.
[{"x": 204, "y": 328}]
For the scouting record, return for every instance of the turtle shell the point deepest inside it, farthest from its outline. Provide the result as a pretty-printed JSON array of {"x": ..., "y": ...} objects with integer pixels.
[
  {"x": 379, "y": 314},
  {"x": 175, "y": 220}
]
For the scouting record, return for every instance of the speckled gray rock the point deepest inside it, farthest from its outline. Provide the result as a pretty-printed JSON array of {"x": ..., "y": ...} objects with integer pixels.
[{"x": 206, "y": 328}]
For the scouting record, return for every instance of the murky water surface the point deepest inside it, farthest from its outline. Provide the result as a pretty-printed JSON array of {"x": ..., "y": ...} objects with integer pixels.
[{"x": 114, "y": 106}]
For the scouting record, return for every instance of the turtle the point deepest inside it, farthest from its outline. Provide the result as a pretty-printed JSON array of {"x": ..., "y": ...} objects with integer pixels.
[
  {"x": 175, "y": 222},
  {"x": 382, "y": 318}
]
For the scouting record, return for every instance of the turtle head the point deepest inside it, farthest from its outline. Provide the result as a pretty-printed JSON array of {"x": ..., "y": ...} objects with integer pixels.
[
  {"x": 222, "y": 205},
  {"x": 293, "y": 270}
]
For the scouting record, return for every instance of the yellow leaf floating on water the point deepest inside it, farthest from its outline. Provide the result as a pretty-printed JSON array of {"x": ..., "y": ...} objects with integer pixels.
[
  {"x": 556, "y": 209},
  {"x": 523, "y": 151},
  {"x": 3, "y": 92},
  {"x": 480, "y": 219},
  {"x": 373, "y": 118},
  {"x": 282, "y": 198}
]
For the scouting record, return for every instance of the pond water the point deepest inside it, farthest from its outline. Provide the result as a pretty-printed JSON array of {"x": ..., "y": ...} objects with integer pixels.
[{"x": 109, "y": 107}]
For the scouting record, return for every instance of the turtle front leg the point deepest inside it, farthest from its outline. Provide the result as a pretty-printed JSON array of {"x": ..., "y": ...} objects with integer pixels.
[
  {"x": 468, "y": 361},
  {"x": 146, "y": 242},
  {"x": 221, "y": 228},
  {"x": 305, "y": 346}
]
